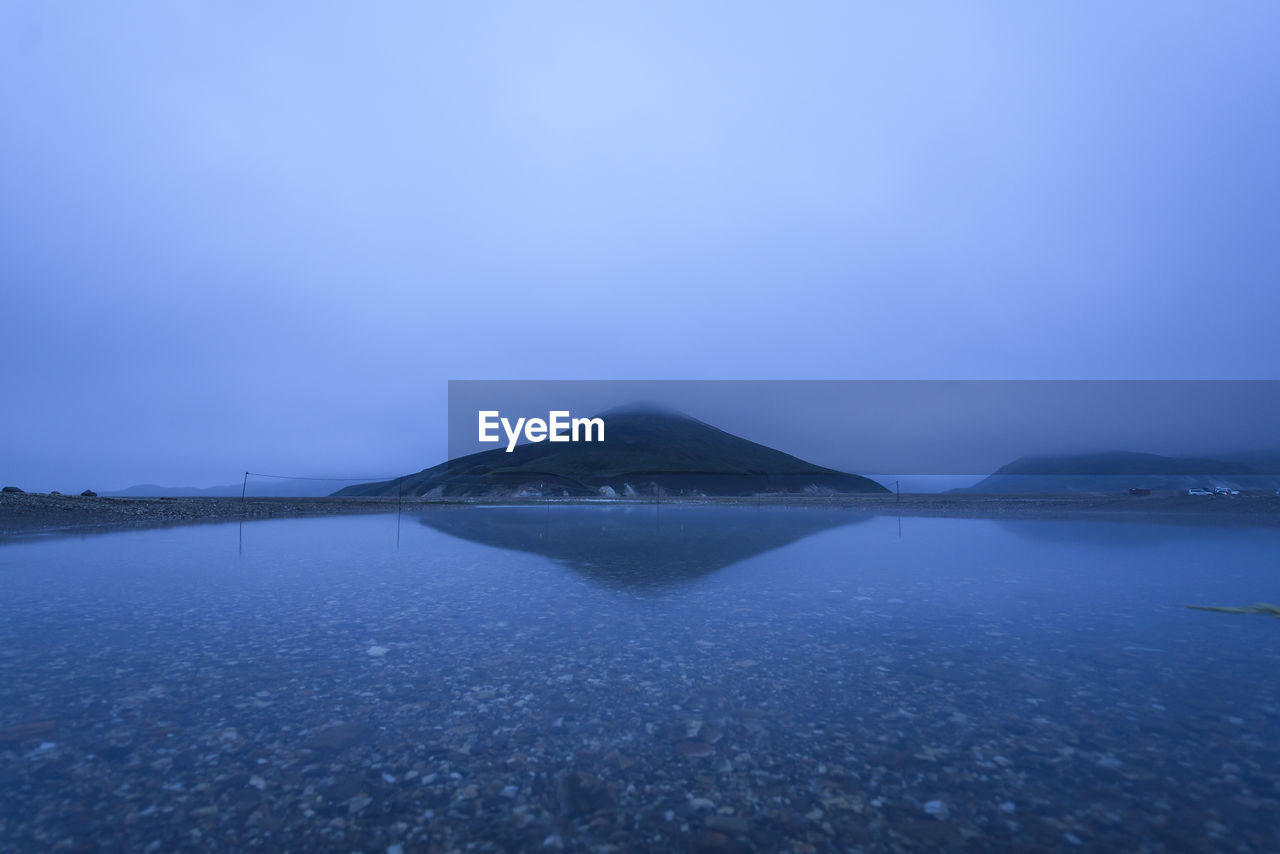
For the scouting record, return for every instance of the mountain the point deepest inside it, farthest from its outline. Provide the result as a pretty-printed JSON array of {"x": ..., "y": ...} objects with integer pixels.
[
  {"x": 257, "y": 488},
  {"x": 1117, "y": 471},
  {"x": 1261, "y": 461},
  {"x": 151, "y": 490},
  {"x": 647, "y": 451}
]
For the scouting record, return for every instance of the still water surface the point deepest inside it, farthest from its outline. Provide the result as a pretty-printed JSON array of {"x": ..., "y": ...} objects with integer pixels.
[{"x": 640, "y": 679}]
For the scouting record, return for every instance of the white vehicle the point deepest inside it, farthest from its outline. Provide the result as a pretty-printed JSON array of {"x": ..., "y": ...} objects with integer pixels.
[{"x": 1195, "y": 490}]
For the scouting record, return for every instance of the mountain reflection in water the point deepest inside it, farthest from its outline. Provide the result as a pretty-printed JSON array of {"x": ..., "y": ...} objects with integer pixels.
[{"x": 639, "y": 547}]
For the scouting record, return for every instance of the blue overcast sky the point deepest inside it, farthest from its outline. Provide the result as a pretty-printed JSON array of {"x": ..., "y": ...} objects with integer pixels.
[{"x": 263, "y": 236}]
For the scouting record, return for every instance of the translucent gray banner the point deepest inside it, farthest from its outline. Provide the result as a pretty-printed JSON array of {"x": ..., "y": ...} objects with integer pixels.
[{"x": 1131, "y": 429}]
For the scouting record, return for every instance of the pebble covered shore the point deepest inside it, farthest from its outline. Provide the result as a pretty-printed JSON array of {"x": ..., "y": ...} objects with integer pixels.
[
  {"x": 32, "y": 512},
  {"x": 26, "y": 512}
]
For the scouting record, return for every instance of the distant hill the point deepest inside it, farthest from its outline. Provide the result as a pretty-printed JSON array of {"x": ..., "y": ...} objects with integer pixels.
[
  {"x": 258, "y": 488},
  {"x": 151, "y": 490},
  {"x": 646, "y": 452},
  {"x": 1117, "y": 471},
  {"x": 1266, "y": 462}
]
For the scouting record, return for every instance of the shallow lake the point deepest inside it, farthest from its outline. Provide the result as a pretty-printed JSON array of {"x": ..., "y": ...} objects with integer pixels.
[{"x": 653, "y": 678}]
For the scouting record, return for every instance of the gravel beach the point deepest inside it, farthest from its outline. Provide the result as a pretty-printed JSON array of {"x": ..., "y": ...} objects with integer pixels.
[{"x": 27, "y": 513}]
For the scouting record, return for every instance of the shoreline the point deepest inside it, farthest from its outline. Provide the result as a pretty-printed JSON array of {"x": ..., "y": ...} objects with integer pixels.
[
  {"x": 28, "y": 513},
  {"x": 24, "y": 514}
]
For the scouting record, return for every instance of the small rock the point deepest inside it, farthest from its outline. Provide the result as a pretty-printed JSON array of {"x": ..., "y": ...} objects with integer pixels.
[
  {"x": 12, "y": 489},
  {"x": 689, "y": 747},
  {"x": 580, "y": 793},
  {"x": 937, "y": 809},
  {"x": 730, "y": 824},
  {"x": 335, "y": 737},
  {"x": 344, "y": 788},
  {"x": 708, "y": 840},
  {"x": 25, "y": 730},
  {"x": 264, "y": 818},
  {"x": 88, "y": 493}
]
